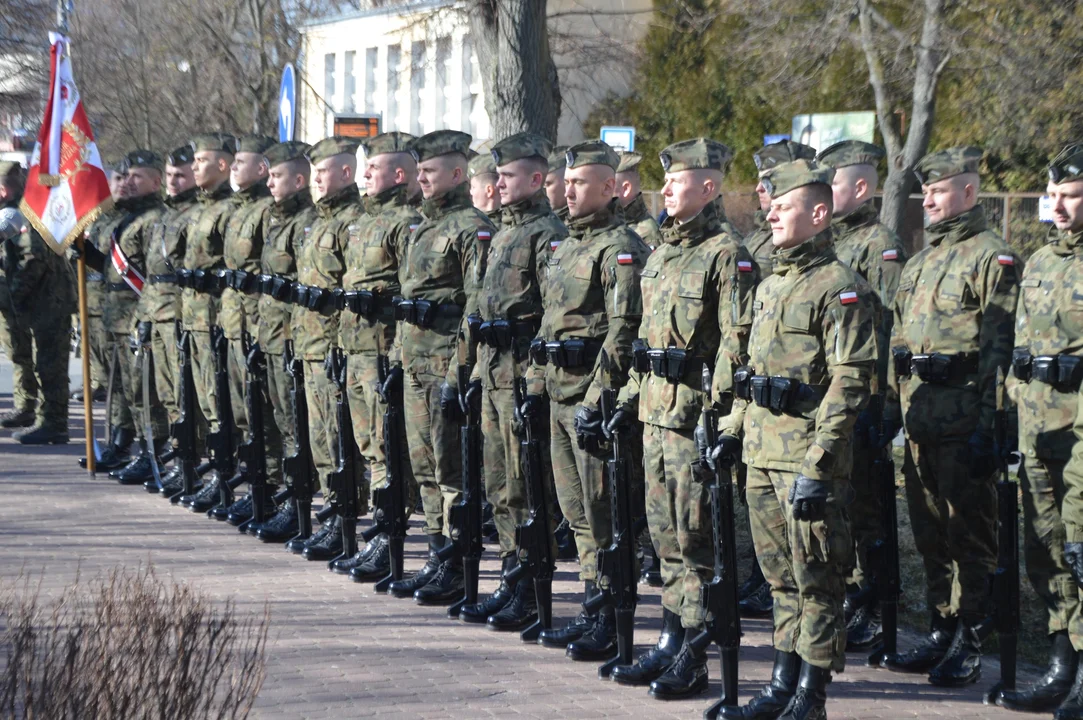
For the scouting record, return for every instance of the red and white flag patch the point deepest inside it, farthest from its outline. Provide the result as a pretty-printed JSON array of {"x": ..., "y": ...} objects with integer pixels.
[
  {"x": 553, "y": 245},
  {"x": 744, "y": 266},
  {"x": 1006, "y": 260},
  {"x": 848, "y": 297},
  {"x": 891, "y": 254},
  {"x": 484, "y": 235},
  {"x": 624, "y": 258},
  {"x": 414, "y": 227}
]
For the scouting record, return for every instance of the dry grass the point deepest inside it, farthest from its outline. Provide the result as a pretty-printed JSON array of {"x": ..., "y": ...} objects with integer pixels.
[{"x": 126, "y": 646}]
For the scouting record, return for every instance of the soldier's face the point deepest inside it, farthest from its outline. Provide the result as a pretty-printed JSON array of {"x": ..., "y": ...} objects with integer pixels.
[
  {"x": 685, "y": 194},
  {"x": 381, "y": 173},
  {"x": 283, "y": 181},
  {"x": 483, "y": 193},
  {"x": 247, "y": 170},
  {"x": 178, "y": 179},
  {"x": 117, "y": 187},
  {"x": 554, "y": 189},
  {"x": 795, "y": 217},
  {"x": 333, "y": 174},
  {"x": 844, "y": 190},
  {"x": 438, "y": 175},
  {"x": 1067, "y": 201},
  {"x": 210, "y": 168},
  {"x": 518, "y": 180},
  {"x": 763, "y": 195},
  {"x": 588, "y": 189},
  {"x": 143, "y": 181},
  {"x": 948, "y": 198}
]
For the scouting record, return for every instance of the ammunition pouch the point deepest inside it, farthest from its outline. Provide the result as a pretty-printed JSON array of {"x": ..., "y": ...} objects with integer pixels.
[
  {"x": 1061, "y": 372},
  {"x": 299, "y": 294},
  {"x": 538, "y": 353},
  {"x": 671, "y": 364},
  {"x": 940, "y": 369},
  {"x": 423, "y": 313},
  {"x": 641, "y": 363},
  {"x": 504, "y": 334},
  {"x": 572, "y": 353},
  {"x": 780, "y": 394},
  {"x": 361, "y": 302},
  {"x": 275, "y": 286},
  {"x": 742, "y": 382},
  {"x": 184, "y": 278},
  {"x": 1022, "y": 364},
  {"x": 164, "y": 279},
  {"x": 900, "y": 357}
]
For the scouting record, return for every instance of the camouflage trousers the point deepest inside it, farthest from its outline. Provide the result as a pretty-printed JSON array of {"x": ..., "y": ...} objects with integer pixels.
[
  {"x": 865, "y": 511},
  {"x": 203, "y": 376},
  {"x": 52, "y": 347},
  {"x": 125, "y": 384},
  {"x": 236, "y": 363},
  {"x": 953, "y": 516},
  {"x": 805, "y": 563},
  {"x": 321, "y": 394},
  {"x": 239, "y": 400},
  {"x": 166, "y": 363},
  {"x": 280, "y": 395},
  {"x": 679, "y": 516},
  {"x": 505, "y": 485},
  {"x": 18, "y": 344},
  {"x": 1043, "y": 543},
  {"x": 159, "y": 420},
  {"x": 435, "y": 454},
  {"x": 98, "y": 340},
  {"x": 580, "y": 479}
]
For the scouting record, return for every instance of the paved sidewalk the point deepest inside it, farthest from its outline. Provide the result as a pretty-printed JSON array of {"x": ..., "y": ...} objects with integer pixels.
[{"x": 338, "y": 650}]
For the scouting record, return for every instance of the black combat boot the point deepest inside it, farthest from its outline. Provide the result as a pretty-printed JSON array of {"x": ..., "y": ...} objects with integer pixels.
[
  {"x": 445, "y": 587},
  {"x": 856, "y": 598},
  {"x": 116, "y": 454},
  {"x": 206, "y": 498},
  {"x": 281, "y": 526},
  {"x": 297, "y": 545},
  {"x": 330, "y": 545},
  {"x": 345, "y": 565},
  {"x": 1053, "y": 687},
  {"x": 377, "y": 565},
  {"x": 406, "y": 587},
  {"x": 241, "y": 511},
  {"x": 220, "y": 510},
  {"x": 21, "y": 418},
  {"x": 687, "y": 676},
  {"x": 864, "y": 631},
  {"x": 584, "y": 621},
  {"x": 651, "y": 575},
  {"x": 598, "y": 643},
  {"x": 171, "y": 480},
  {"x": 565, "y": 541},
  {"x": 962, "y": 663},
  {"x": 929, "y": 652},
  {"x": 759, "y": 604},
  {"x": 520, "y": 612},
  {"x": 479, "y": 612},
  {"x": 810, "y": 700},
  {"x": 44, "y": 434},
  {"x": 1072, "y": 707},
  {"x": 773, "y": 698},
  {"x": 753, "y": 582},
  {"x": 651, "y": 665}
]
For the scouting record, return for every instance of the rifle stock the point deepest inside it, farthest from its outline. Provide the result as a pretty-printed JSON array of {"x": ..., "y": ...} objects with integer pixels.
[
  {"x": 344, "y": 476},
  {"x": 221, "y": 443},
  {"x": 184, "y": 429},
  {"x": 466, "y": 517},
  {"x": 298, "y": 465},
  {"x": 253, "y": 452},
  {"x": 390, "y": 513}
]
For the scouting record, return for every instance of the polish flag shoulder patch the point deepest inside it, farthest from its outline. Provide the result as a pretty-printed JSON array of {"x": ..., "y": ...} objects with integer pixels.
[
  {"x": 891, "y": 254},
  {"x": 414, "y": 227},
  {"x": 553, "y": 245},
  {"x": 1006, "y": 260},
  {"x": 484, "y": 235},
  {"x": 848, "y": 297},
  {"x": 624, "y": 258},
  {"x": 744, "y": 266}
]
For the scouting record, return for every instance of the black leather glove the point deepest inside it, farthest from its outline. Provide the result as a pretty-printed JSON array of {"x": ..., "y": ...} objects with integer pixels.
[
  {"x": 727, "y": 451},
  {"x": 391, "y": 384},
  {"x": 808, "y": 498},
  {"x": 888, "y": 431},
  {"x": 449, "y": 403},
  {"x": 1073, "y": 555},
  {"x": 588, "y": 427},
  {"x": 143, "y": 330},
  {"x": 983, "y": 454},
  {"x": 532, "y": 407},
  {"x": 472, "y": 396},
  {"x": 621, "y": 419}
]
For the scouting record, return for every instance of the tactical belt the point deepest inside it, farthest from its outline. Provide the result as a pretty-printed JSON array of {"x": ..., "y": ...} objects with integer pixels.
[
  {"x": 423, "y": 313},
  {"x": 95, "y": 277},
  {"x": 364, "y": 303},
  {"x": 118, "y": 287},
  {"x": 278, "y": 287},
  {"x": 1062, "y": 372},
  {"x": 773, "y": 392},
  {"x": 672, "y": 364},
  {"x": 502, "y": 334},
  {"x": 570, "y": 353},
  {"x": 167, "y": 279},
  {"x": 316, "y": 299},
  {"x": 204, "y": 281},
  {"x": 240, "y": 280},
  {"x": 937, "y": 368}
]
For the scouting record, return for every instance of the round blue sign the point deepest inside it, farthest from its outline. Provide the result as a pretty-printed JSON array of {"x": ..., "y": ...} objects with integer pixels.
[{"x": 287, "y": 105}]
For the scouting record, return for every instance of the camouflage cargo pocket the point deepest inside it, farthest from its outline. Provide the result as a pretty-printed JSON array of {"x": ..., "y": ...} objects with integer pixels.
[{"x": 699, "y": 496}]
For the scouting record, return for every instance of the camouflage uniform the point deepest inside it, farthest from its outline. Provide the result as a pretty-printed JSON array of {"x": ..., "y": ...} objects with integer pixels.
[
  {"x": 697, "y": 291},
  {"x": 445, "y": 264},
  {"x": 957, "y": 296},
  {"x": 814, "y": 321},
  {"x": 100, "y": 348},
  {"x": 15, "y": 338},
  {"x": 642, "y": 223}
]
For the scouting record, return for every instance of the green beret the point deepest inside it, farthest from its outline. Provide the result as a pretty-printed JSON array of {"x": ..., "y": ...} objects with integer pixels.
[
  {"x": 558, "y": 158},
  {"x": 482, "y": 164},
  {"x": 388, "y": 142},
  {"x": 329, "y": 147},
  {"x": 285, "y": 152},
  {"x": 696, "y": 154},
  {"x": 629, "y": 161},
  {"x": 787, "y": 177},
  {"x": 783, "y": 151},
  {"x": 944, "y": 164},
  {"x": 183, "y": 155},
  {"x": 592, "y": 152},
  {"x": 440, "y": 142},
  {"x": 1067, "y": 166},
  {"x": 520, "y": 146},
  {"x": 215, "y": 142},
  {"x": 253, "y": 144},
  {"x": 850, "y": 152},
  {"x": 141, "y": 159}
]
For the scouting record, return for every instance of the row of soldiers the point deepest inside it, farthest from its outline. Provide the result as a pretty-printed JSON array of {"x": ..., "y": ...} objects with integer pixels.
[{"x": 819, "y": 340}]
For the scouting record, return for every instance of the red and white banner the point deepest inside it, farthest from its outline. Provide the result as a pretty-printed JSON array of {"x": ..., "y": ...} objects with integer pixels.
[{"x": 66, "y": 187}]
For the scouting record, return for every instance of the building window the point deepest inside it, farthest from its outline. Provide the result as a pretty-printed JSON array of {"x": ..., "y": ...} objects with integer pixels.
[
  {"x": 444, "y": 90},
  {"x": 329, "y": 86},
  {"x": 394, "y": 57},
  {"x": 350, "y": 82},
  {"x": 418, "y": 106},
  {"x": 372, "y": 60},
  {"x": 471, "y": 93}
]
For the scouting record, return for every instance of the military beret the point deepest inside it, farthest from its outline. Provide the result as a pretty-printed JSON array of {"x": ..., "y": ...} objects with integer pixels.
[
  {"x": 141, "y": 159},
  {"x": 7, "y": 167},
  {"x": 329, "y": 147},
  {"x": 253, "y": 144},
  {"x": 440, "y": 142},
  {"x": 284, "y": 152},
  {"x": 629, "y": 161},
  {"x": 695, "y": 154},
  {"x": 787, "y": 177},
  {"x": 1067, "y": 166},
  {"x": 214, "y": 142},
  {"x": 180, "y": 156},
  {"x": 783, "y": 151},
  {"x": 558, "y": 158},
  {"x": 944, "y": 164},
  {"x": 592, "y": 152},
  {"x": 519, "y": 146},
  {"x": 481, "y": 165},
  {"x": 388, "y": 142},
  {"x": 850, "y": 152}
]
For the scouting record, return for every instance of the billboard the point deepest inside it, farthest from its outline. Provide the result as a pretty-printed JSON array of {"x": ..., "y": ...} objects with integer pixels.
[{"x": 822, "y": 130}]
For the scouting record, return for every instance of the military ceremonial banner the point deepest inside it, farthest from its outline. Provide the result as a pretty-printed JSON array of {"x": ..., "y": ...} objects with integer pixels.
[{"x": 66, "y": 187}]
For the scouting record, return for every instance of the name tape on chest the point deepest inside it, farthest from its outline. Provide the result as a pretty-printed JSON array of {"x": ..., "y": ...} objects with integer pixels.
[
  {"x": 625, "y": 259},
  {"x": 848, "y": 297}
]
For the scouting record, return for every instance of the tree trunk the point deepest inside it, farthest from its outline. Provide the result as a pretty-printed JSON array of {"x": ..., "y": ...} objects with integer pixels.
[{"x": 519, "y": 76}]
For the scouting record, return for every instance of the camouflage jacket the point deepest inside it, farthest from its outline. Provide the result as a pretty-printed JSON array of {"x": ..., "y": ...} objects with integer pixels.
[
  {"x": 445, "y": 264},
  {"x": 1049, "y": 321},
  {"x": 374, "y": 254},
  {"x": 243, "y": 250},
  {"x": 203, "y": 251},
  {"x": 814, "y": 320},
  {"x": 878, "y": 255},
  {"x": 697, "y": 296},
  {"x": 160, "y": 301},
  {"x": 642, "y": 223},
  {"x": 320, "y": 263},
  {"x": 956, "y": 296},
  {"x": 592, "y": 292},
  {"x": 11, "y": 226},
  {"x": 760, "y": 245},
  {"x": 39, "y": 281},
  {"x": 97, "y": 236},
  {"x": 289, "y": 222},
  {"x": 562, "y": 214},
  {"x": 512, "y": 289},
  {"x": 134, "y": 232}
]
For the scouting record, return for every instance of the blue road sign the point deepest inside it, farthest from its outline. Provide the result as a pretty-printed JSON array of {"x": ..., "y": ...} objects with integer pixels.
[
  {"x": 287, "y": 104},
  {"x": 619, "y": 137}
]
